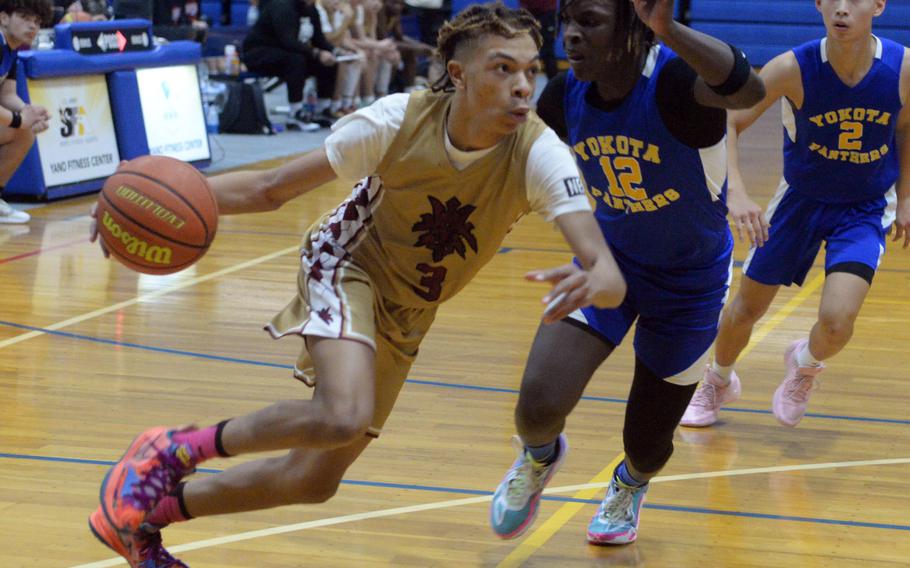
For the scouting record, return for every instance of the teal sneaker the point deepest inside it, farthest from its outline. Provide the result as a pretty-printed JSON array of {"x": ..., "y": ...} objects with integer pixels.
[
  {"x": 616, "y": 520},
  {"x": 515, "y": 503}
]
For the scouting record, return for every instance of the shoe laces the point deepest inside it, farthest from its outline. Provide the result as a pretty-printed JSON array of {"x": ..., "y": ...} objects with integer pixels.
[
  {"x": 154, "y": 555},
  {"x": 526, "y": 478},
  {"x": 160, "y": 479},
  {"x": 620, "y": 506},
  {"x": 705, "y": 396},
  {"x": 800, "y": 387}
]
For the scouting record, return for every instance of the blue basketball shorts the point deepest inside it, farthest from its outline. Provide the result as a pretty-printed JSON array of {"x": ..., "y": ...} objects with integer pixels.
[
  {"x": 677, "y": 311},
  {"x": 852, "y": 233}
]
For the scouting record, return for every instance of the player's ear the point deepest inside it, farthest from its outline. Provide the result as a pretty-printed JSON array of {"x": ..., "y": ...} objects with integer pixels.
[
  {"x": 879, "y": 7},
  {"x": 455, "y": 68}
]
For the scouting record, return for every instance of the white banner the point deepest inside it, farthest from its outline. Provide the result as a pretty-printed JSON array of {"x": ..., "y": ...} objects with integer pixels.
[
  {"x": 80, "y": 144},
  {"x": 172, "y": 112}
]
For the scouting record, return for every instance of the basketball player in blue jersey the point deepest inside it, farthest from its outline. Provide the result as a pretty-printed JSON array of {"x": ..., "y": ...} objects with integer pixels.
[
  {"x": 646, "y": 123},
  {"x": 846, "y": 178}
]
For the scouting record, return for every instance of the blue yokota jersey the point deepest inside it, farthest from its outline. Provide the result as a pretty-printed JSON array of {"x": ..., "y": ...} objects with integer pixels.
[
  {"x": 660, "y": 203},
  {"x": 840, "y": 146},
  {"x": 7, "y": 60}
]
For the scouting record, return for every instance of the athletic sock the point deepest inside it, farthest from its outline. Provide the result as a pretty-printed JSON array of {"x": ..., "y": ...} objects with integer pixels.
[
  {"x": 621, "y": 475},
  {"x": 205, "y": 443},
  {"x": 722, "y": 371},
  {"x": 804, "y": 357},
  {"x": 169, "y": 510},
  {"x": 546, "y": 454}
]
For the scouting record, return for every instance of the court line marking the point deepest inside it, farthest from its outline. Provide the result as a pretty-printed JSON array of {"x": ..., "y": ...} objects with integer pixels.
[
  {"x": 422, "y": 382},
  {"x": 262, "y": 533},
  {"x": 552, "y": 525},
  {"x": 545, "y": 532},
  {"x": 145, "y": 297},
  {"x": 42, "y": 250}
]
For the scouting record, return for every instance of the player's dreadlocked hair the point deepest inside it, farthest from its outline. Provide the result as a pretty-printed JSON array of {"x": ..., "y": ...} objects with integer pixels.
[
  {"x": 631, "y": 37},
  {"x": 477, "y": 21}
]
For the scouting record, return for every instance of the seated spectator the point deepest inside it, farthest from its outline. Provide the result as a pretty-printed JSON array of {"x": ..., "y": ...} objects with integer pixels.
[
  {"x": 287, "y": 42},
  {"x": 171, "y": 19},
  {"x": 86, "y": 11},
  {"x": 389, "y": 26},
  {"x": 382, "y": 55},
  {"x": 338, "y": 19},
  {"x": 178, "y": 19},
  {"x": 20, "y": 21}
]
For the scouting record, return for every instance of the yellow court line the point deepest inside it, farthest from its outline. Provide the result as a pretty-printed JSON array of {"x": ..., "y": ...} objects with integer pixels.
[
  {"x": 565, "y": 513},
  {"x": 145, "y": 297},
  {"x": 262, "y": 533}
]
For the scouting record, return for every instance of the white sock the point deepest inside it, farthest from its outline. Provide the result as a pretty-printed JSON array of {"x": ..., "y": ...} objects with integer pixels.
[
  {"x": 723, "y": 372},
  {"x": 294, "y": 107},
  {"x": 804, "y": 357}
]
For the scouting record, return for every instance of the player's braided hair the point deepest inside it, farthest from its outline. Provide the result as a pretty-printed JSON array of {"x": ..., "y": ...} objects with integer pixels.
[
  {"x": 631, "y": 37},
  {"x": 477, "y": 21}
]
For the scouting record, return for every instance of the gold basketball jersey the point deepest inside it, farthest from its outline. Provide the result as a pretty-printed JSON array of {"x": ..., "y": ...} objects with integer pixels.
[{"x": 420, "y": 228}]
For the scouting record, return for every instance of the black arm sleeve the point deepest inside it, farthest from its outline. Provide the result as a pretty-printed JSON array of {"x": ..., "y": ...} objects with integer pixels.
[
  {"x": 551, "y": 105},
  {"x": 692, "y": 124}
]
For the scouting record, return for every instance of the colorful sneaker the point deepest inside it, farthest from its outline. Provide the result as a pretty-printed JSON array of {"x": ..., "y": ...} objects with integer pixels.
[
  {"x": 616, "y": 520},
  {"x": 141, "y": 549},
  {"x": 791, "y": 399},
  {"x": 150, "y": 469},
  {"x": 710, "y": 396},
  {"x": 515, "y": 503}
]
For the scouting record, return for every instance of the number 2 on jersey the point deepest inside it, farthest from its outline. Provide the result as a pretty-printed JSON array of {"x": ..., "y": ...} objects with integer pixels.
[{"x": 850, "y": 137}]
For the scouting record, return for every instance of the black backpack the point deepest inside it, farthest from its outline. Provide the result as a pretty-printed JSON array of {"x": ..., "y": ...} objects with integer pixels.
[{"x": 244, "y": 110}]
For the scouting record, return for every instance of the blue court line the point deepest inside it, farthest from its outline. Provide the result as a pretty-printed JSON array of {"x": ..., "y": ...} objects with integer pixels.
[
  {"x": 413, "y": 381},
  {"x": 460, "y": 491}
]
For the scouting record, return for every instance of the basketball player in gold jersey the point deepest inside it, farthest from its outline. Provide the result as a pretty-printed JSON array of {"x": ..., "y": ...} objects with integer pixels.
[{"x": 443, "y": 177}]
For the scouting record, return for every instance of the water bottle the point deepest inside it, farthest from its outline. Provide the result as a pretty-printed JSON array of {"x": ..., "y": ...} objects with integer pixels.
[
  {"x": 231, "y": 60},
  {"x": 309, "y": 104},
  {"x": 211, "y": 119},
  {"x": 310, "y": 97}
]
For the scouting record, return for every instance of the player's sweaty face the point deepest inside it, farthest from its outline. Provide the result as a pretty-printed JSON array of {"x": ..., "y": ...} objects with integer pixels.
[
  {"x": 848, "y": 20},
  {"x": 588, "y": 28},
  {"x": 499, "y": 80}
]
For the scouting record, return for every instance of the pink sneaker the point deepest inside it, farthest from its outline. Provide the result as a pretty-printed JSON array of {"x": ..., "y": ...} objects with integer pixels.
[
  {"x": 792, "y": 396},
  {"x": 710, "y": 396}
]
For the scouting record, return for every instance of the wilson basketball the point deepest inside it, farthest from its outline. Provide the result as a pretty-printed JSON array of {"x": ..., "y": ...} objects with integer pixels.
[{"x": 157, "y": 215}]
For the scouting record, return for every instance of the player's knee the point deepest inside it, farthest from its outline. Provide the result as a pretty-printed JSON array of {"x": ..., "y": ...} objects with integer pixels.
[
  {"x": 836, "y": 326},
  {"x": 648, "y": 453},
  {"x": 539, "y": 412},
  {"x": 305, "y": 489},
  {"x": 746, "y": 311},
  {"x": 345, "y": 423}
]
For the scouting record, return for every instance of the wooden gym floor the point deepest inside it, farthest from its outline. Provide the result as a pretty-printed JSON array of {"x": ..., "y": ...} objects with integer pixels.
[{"x": 91, "y": 353}]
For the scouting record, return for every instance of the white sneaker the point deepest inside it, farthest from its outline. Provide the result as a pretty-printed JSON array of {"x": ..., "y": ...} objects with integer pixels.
[{"x": 12, "y": 216}]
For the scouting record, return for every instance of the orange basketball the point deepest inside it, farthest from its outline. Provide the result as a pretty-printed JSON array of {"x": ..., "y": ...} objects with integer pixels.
[{"x": 157, "y": 215}]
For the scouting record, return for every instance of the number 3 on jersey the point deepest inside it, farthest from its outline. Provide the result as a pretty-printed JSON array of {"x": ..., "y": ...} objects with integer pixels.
[{"x": 623, "y": 175}]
